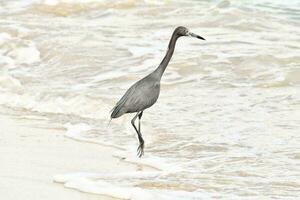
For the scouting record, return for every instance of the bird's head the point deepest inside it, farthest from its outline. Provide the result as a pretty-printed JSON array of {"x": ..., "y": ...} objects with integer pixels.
[{"x": 182, "y": 31}]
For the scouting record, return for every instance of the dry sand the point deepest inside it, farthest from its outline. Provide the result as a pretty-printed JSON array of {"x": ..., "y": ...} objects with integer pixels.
[{"x": 30, "y": 157}]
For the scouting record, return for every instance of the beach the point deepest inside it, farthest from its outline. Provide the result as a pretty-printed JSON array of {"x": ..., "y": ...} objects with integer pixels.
[{"x": 31, "y": 156}]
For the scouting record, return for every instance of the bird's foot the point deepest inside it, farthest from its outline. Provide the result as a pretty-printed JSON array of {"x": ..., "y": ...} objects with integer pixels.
[{"x": 140, "y": 150}]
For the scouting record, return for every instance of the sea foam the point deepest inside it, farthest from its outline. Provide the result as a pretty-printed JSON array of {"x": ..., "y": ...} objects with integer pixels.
[
  {"x": 96, "y": 184},
  {"x": 26, "y": 55}
]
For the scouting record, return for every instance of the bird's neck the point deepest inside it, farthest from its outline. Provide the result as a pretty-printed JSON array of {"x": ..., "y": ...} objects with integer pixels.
[{"x": 164, "y": 63}]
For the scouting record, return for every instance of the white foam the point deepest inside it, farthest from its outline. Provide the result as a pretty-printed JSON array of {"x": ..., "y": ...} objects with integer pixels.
[
  {"x": 15, "y": 50},
  {"x": 155, "y": 2},
  {"x": 26, "y": 55},
  {"x": 95, "y": 183},
  {"x": 154, "y": 162},
  {"x": 79, "y": 105},
  {"x": 8, "y": 83},
  {"x": 104, "y": 188},
  {"x": 92, "y": 183},
  {"x": 75, "y": 129},
  {"x": 128, "y": 154},
  {"x": 124, "y": 175},
  {"x": 7, "y": 61},
  {"x": 56, "y": 2},
  {"x": 77, "y": 132},
  {"x": 107, "y": 76},
  {"x": 139, "y": 51},
  {"x": 4, "y": 37}
]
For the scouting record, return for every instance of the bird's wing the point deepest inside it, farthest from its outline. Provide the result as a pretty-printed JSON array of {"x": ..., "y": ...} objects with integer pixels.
[
  {"x": 143, "y": 96},
  {"x": 138, "y": 97},
  {"x": 120, "y": 104}
]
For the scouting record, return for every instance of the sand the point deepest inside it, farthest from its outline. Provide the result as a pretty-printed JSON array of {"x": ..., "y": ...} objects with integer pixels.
[{"x": 31, "y": 157}]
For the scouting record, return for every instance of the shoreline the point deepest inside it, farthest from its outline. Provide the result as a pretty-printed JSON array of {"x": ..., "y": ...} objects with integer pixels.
[{"x": 32, "y": 157}]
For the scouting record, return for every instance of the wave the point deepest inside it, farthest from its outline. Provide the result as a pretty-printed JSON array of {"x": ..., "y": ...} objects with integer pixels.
[
  {"x": 98, "y": 184},
  {"x": 9, "y": 83},
  {"x": 78, "y": 105},
  {"x": 69, "y": 7},
  {"x": 16, "y": 51}
]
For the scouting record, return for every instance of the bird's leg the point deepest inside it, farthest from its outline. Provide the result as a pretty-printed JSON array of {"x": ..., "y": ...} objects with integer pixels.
[
  {"x": 140, "y": 149},
  {"x": 141, "y": 146},
  {"x": 140, "y": 117}
]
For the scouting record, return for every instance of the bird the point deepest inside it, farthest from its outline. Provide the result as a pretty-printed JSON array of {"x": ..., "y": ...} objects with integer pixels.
[{"x": 144, "y": 93}]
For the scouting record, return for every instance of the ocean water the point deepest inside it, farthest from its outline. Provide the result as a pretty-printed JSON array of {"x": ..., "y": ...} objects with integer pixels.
[{"x": 227, "y": 122}]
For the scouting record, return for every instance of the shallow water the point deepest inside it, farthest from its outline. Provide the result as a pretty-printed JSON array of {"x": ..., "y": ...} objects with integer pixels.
[{"x": 227, "y": 122}]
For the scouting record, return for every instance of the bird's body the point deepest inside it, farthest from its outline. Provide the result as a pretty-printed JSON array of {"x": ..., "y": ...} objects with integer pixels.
[
  {"x": 144, "y": 93},
  {"x": 140, "y": 96}
]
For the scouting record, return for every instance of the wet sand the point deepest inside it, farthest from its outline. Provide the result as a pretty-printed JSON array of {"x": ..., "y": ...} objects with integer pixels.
[{"x": 30, "y": 157}]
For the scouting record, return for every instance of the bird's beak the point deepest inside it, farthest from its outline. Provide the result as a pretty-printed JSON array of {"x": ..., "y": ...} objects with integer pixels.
[{"x": 195, "y": 35}]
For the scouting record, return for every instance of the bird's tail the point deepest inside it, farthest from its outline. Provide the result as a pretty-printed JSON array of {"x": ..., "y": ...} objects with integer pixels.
[{"x": 116, "y": 111}]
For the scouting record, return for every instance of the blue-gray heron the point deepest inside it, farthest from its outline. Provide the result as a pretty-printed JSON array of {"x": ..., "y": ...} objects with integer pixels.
[{"x": 144, "y": 93}]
